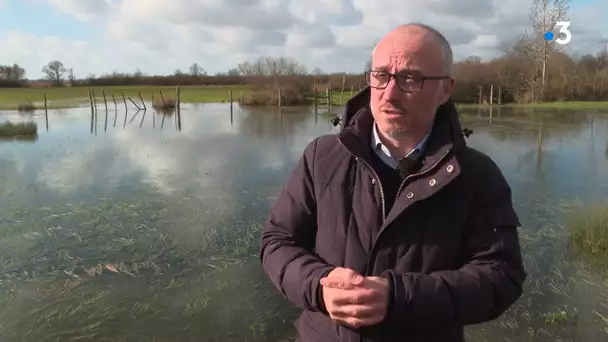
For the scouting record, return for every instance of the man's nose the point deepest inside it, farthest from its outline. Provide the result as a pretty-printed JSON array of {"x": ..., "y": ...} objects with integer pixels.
[{"x": 392, "y": 90}]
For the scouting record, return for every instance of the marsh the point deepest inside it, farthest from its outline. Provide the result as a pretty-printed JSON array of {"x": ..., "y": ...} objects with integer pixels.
[{"x": 140, "y": 229}]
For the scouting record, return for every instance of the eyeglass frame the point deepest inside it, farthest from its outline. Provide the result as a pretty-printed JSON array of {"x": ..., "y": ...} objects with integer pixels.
[{"x": 406, "y": 72}]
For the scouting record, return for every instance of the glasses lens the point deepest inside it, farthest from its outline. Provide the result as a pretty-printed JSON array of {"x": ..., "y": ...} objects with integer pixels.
[
  {"x": 377, "y": 79},
  {"x": 405, "y": 81},
  {"x": 409, "y": 81}
]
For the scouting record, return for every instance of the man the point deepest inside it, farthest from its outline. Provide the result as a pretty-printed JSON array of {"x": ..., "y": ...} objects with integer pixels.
[{"x": 394, "y": 229}]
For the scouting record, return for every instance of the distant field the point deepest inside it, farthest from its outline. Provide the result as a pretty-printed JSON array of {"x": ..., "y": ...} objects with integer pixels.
[
  {"x": 74, "y": 96},
  {"x": 67, "y": 97}
]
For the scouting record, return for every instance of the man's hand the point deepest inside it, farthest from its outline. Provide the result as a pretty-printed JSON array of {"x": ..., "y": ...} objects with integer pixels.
[{"x": 355, "y": 300}]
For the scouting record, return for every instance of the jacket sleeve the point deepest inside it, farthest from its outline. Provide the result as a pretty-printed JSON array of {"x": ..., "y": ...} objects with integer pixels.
[
  {"x": 489, "y": 280},
  {"x": 287, "y": 241}
]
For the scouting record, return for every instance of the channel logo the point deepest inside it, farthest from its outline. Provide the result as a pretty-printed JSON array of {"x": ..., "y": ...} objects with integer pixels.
[{"x": 564, "y": 36}]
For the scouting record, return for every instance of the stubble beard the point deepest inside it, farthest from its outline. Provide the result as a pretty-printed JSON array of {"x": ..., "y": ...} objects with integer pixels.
[{"x": 397, "y": 130}]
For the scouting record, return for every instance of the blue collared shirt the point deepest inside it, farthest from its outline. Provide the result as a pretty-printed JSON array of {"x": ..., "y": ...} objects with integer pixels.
[{"x": 385, "y": 155}]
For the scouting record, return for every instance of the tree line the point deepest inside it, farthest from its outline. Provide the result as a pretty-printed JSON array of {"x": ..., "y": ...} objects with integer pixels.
[{"x": 529, "y": 69}]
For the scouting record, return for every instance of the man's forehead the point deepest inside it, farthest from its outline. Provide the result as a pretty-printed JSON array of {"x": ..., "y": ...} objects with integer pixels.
[
  {"x": 403, "y": 48},
  {"x": 399, "y": 59}
]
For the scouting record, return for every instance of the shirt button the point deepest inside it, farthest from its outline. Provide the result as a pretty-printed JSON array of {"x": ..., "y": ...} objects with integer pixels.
[
  {"x": 410, "y": 195},
  {"x": 432, "y": 182},
  {"x": 450, "y": 168},
  {"x": 373, "y": 181}
]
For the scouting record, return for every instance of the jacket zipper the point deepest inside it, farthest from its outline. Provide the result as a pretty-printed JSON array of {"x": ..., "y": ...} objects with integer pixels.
[
  {"x": 421, "y": 173},
  {"x": 376, "y": 178},
  {"x": 369, "y": 260}
]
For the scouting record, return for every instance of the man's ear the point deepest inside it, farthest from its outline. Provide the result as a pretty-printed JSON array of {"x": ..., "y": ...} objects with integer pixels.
[{"x": 448, "y": 89}]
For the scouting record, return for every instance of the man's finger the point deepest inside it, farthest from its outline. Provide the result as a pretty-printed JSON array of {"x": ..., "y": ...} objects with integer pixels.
[
  {"x": 357, "y": 322},
  {"x": 355, "y": 296},
  {"x": 337, "y": 283},
  {"x": 356, "y": 311},
  {"x": 348, "y": 282}
]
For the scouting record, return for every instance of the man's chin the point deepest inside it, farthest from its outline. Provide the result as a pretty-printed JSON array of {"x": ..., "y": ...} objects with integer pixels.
[
  {"x": 397, "y": 133},
  {"x": 396, "y": 127}
]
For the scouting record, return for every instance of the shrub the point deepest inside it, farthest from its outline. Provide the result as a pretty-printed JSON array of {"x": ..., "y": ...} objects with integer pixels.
[
  {"x": 589, "y": 233},
  {"x": 9, "y": 129}
]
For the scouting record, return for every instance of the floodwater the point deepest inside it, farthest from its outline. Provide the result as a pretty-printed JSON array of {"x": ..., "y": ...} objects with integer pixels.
[{"x": 145, "y": 228}]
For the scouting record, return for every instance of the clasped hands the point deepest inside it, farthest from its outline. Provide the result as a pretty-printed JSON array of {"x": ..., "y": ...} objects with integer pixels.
[{"x": 353, "y": 299}]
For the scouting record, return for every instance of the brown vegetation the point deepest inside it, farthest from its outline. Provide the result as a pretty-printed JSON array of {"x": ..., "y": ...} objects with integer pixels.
[
  {"x": 290, "y": 95},
  {"x": 9, "y": 129},
  {"x": 26, "y": 107},
  {"x": 164, "y": 104}
]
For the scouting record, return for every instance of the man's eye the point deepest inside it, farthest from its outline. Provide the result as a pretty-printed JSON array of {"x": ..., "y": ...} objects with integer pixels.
[
  {"x": 380, "y": 75},
  {"x": 407, "y": 78}
]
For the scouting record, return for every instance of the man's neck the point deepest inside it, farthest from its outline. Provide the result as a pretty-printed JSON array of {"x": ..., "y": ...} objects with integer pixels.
[{"x": 402, "y": 145}]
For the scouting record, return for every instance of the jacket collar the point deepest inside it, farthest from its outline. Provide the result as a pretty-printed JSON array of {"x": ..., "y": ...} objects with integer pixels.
[{"x": 357, "y": 126}]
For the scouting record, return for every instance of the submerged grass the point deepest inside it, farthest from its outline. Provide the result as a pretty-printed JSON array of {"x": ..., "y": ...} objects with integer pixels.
[
  {"x": 588, "y": 229},
  {"x": 168, "y": 269},
  {"x": 109, "y": 272},
  {"x": 9, "y": 129}
]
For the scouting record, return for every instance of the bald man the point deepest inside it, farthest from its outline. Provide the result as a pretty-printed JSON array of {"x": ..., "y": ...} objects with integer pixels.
[{"x": 394, "y": 229}]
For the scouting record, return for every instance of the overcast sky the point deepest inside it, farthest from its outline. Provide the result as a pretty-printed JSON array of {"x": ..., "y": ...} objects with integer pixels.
[{"x": 159, "y": 36}]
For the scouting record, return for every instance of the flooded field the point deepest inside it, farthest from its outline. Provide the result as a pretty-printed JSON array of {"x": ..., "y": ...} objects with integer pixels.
[{"x": 145, "y": 228}]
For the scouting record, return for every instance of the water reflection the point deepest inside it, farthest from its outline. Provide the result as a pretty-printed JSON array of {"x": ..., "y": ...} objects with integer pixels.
[{"x": 174, "y": 206}]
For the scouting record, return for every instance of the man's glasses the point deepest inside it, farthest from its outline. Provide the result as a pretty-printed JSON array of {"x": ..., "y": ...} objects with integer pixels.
[{"x": 408, "y": 81}]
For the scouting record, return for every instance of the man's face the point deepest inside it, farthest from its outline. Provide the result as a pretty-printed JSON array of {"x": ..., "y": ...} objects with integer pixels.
[{"x": 398, "y": 112}]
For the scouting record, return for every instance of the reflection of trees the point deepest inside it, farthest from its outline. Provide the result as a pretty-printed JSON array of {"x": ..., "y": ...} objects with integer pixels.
[
  {"x": 271, "y": 122},
  {"x": 505, "y": 124}
]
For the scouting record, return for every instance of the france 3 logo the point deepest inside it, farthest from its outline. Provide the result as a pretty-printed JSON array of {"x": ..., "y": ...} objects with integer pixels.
[{"x": 564, "y": 35}]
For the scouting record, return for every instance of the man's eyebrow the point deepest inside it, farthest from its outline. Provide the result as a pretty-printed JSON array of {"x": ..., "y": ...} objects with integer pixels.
[{"x": 380, "y": 68}]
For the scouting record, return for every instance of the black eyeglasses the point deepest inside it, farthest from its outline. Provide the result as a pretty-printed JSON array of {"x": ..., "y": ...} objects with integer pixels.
[{"x": 408, "y": 81}]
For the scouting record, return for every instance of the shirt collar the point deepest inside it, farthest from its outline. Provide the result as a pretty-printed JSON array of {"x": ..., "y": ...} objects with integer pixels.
[{"x": 377, "y": 143}]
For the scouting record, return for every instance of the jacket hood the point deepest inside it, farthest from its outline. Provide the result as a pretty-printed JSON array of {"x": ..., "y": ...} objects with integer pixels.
[{"x": 446, "y": 119}]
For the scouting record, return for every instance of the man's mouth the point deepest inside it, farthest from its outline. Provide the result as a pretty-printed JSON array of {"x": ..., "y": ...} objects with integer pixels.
[{"x": 393, "y": 112}]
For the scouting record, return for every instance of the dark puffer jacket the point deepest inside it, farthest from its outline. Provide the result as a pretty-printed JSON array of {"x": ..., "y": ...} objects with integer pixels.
[{"x": 449, "y": 245}]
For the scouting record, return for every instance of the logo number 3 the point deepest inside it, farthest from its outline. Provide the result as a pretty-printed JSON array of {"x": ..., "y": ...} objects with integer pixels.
[{"x": 564, "y": 27}]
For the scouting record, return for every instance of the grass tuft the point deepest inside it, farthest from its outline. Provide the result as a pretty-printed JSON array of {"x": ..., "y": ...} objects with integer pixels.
[
  {"x": 9, "y": 129},
  {"x": 589, "y": 233},
  {"x": 26, "y": 107}
]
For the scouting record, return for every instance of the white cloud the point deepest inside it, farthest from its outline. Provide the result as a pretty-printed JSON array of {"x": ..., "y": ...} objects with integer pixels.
[
  {"x": 84, "y": 10},
  {"x": 159, "y": 36}
]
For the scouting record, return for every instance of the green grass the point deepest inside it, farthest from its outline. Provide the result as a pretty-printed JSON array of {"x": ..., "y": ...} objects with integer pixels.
[
  {"x": 9, "y": 129},
  {"x": 589, "y": 233},
  {"x": 67, "y": 97}
]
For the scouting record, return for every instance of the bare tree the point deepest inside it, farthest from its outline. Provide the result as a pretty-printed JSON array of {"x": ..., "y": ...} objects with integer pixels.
[
  {"x": 71, "y": 76},
  {"x": 196, "y": 70},
  {"x": 544, "y": 15},
  {"x": 316, "y": 71},
  {"x": 54, "y": 71},
  {"x": 12, "y": 72},
  {"x": 272, "y": 67},
  {"x": 233, "y": 72}
]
